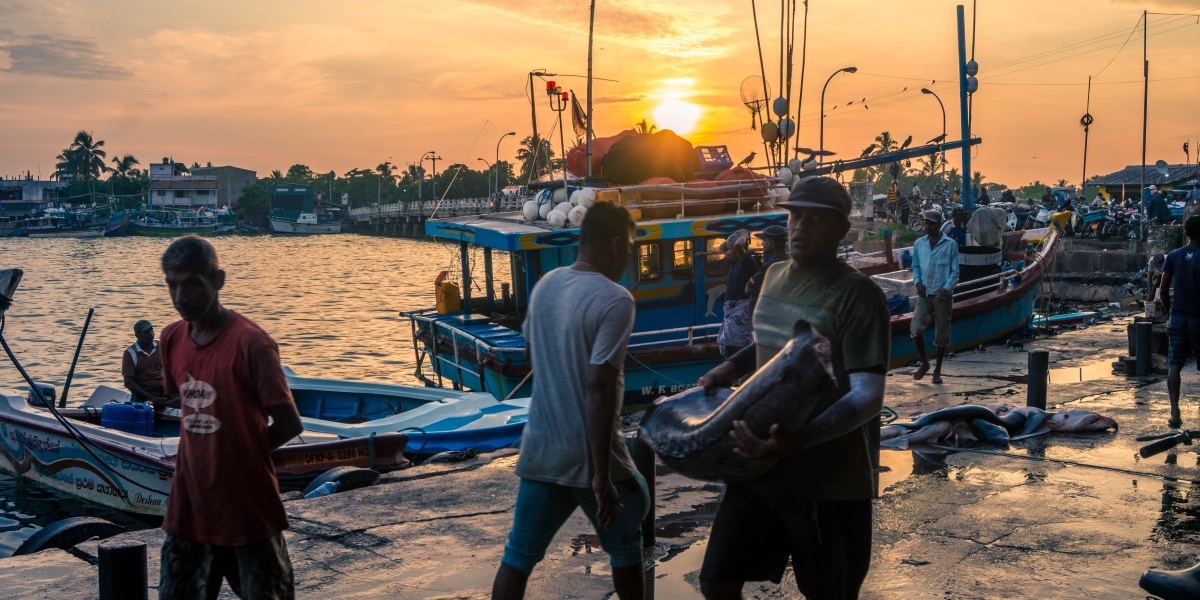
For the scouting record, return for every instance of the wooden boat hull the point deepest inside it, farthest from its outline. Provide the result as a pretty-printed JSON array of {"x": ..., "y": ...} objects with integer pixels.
[{"x": 133, "y": 473}]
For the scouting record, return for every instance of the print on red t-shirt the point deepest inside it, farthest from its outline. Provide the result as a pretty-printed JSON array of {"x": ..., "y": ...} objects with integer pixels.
[{"x": 224, "y": 492}]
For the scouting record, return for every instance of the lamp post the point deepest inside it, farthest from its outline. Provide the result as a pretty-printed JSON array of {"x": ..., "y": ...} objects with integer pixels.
[
  {"x": 822, "y": 140},
  {"x": 497, "y": 161},
  {"x": 432, "y": 156},
  {"x": 489, "y": 166},
  {"x": 926, "y": 90},
  {"x": 558, "y": 103}
]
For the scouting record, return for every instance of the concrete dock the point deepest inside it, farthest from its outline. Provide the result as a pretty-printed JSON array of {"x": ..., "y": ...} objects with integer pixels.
[{"x": 1058, "y": 516}]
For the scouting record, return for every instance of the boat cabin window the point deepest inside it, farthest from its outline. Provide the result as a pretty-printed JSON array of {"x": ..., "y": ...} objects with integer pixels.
[
  {"x": 715, "y": 263},
  {"x": 650, "y": 266},
  {"x": 681, "y": 260}
]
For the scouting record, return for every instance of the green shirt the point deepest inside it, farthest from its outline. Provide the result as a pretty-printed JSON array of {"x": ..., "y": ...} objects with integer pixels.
[{"x": 849, "y": 309}]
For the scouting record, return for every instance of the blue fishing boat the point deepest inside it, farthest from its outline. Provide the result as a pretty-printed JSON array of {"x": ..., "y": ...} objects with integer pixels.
[
  {"x": 677, "y": 277},
  {"x": 435, "y": 420}
]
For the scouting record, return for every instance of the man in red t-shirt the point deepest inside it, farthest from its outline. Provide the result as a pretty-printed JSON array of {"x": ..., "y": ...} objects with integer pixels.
[{"x": 224, "y": 518}]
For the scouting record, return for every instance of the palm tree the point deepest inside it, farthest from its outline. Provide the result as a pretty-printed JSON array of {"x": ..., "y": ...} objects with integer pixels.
[
  {"x": 535, "y": 155},
  {"x": 644, "y": 127},
  {"x": 83, "y": 160},
  {"x": 977, "y": 179},
  {"x": 276, "y": 174},
  {"x": 124, "y": 166}
]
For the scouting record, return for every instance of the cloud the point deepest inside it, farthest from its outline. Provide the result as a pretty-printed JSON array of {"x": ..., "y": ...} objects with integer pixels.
[
  {"x": 670, "y": 31},
  {"x": 45, "y": 54}
]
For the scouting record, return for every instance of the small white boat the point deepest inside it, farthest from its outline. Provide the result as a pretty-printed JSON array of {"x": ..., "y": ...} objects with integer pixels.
[{"x": 305, "y": 224}]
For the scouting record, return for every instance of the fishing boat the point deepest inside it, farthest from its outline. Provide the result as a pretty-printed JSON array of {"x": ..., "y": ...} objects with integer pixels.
[
  {"x": 98, "y": 221},
  {"x": 295, "y": 211},
  {"x": 435, "y": 420},
  {"x": 174, "y": 223},
  {"x": 130, "y": 470},
  {"x": 677, "y": 277}
]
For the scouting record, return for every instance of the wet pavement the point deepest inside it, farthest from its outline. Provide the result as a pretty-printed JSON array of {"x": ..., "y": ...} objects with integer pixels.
[{"x": 1058, "y": 516}]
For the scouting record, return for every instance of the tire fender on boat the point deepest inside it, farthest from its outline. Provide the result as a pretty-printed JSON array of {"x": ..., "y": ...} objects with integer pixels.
[
  {"x": 66, "y": 533},
  {"x": 348, "y": 478}
]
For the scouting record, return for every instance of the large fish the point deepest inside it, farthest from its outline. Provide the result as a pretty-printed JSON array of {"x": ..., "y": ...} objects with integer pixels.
[{"x": 690, "y": 431}]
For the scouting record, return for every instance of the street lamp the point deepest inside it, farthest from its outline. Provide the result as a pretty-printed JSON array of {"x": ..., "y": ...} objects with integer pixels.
[
  {"x": 926, "y": 90},
  {"x": 489, "y": 166},
  {"x": 846, "y": 70},
  {"x": 497, "y": 163},
  {"x": 433, "y": 179},
  {"x": 559, "y": 100}
]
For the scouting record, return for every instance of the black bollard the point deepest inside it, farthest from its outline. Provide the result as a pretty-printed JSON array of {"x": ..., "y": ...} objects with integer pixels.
[
  {"x": 1143, "y": 360},
  {"x": 1038, "y": 379},
  {"x": 123, "y": 570}
]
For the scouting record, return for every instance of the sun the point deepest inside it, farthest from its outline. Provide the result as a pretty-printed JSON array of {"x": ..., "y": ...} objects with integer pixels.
[{"x": 677, "y": 115}]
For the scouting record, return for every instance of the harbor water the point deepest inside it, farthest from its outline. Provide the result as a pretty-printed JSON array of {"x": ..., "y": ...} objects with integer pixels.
[{"x": 332, "y": 303}]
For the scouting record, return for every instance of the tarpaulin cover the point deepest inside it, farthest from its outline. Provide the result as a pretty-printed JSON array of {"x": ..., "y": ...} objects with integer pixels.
[
  {"x": 577, "y": 156},
  {"x": 641, "y": 156}
]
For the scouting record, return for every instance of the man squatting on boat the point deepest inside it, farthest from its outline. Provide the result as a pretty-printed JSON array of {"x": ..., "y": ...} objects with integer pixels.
[
  {"x": 141, "y": 367},
  {"x": 814, "y": 504},
  {"x": 224, "y": 517},
  {"x": 577, "y": 328}
]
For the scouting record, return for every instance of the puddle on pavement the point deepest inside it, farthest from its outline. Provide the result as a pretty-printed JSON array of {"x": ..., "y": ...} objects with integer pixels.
[
  {"x": 894, "y": 466},
  {"x": 677, "y": 575},
  {"x": 1101, "y": 369},
  {"x": 676, "y": 525}
]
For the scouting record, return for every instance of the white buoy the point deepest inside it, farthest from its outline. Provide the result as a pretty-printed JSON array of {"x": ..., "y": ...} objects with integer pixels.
[
  {"x": 556, "y": 219},
  {"x": 560, "y": 195},
  {"x": 530, "y": 210},
  {"x": 576, "y": 215},
  {"x": 587, "y": 197},
  {"x": 785, "y": 176},
  {"x": 563, "y": 207},
  {"x": 544, "y": 210},
  {"x": 575, "y": 197}
]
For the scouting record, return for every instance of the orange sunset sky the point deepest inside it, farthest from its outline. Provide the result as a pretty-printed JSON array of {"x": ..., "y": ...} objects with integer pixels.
[{"x": 337, "y": 85}]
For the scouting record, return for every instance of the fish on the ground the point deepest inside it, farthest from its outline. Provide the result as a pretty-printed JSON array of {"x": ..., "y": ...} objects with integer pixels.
[
  {"x": 995, "y": 423},
  {"x": 690, "y": 431}
]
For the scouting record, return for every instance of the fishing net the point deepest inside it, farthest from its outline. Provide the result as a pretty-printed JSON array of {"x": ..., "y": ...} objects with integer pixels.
[{"x": 754, "y": 95}]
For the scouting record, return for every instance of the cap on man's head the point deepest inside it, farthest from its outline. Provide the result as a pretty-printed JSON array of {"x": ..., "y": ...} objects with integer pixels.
[
  {"x": 932, "y": 215},
  {"x": 1153, "y": 189},
  {"x": 819, "y": 192},
  {"x": 774, "y": 232},
  {"x": 142, "y": 325}
]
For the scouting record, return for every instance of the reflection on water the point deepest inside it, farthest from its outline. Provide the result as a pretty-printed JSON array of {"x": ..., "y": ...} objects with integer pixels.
[
  {"x": 330, "y": 301},
  {"x": 1092, "y": 371}
]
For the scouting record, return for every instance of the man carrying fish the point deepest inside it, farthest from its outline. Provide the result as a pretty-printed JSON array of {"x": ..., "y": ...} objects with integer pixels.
[
  {"x": 573, "y": 453},
  {"x": 935, "y": 271},
  {"x": 814, "y": 504}
]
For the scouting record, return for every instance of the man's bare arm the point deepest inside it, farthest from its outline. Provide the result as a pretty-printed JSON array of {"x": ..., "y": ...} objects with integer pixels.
[{"x": 285, "y": 424}]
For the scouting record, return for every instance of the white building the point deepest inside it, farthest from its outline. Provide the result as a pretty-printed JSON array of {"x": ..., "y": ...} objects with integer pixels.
[{"x": 170, "y": 187}]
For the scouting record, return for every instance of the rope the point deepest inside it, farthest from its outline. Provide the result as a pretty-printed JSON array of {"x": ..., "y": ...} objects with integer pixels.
[{"x": 647, "y": 367}]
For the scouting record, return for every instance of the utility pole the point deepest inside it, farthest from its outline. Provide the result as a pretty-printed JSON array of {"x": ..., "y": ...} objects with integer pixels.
[
  {"x": 1086, "y": 121},
  {"x": 1145, "y": 116}
]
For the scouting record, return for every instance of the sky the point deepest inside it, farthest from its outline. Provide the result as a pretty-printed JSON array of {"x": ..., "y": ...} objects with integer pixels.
[{"x": 342, "y": 85}]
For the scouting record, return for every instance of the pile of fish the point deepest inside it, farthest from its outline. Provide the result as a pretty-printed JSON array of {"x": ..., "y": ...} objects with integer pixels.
[
  {"x": 690, "y": 431},
  {"x": 962, "y": 426}
]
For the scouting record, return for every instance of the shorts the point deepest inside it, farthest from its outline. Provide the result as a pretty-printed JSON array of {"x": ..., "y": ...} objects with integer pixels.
[
  {"x": 829, "y": 543},
  {"x": 932, "y": 308},
  {"x": 193, "y": 570},
  {"x": 753, "y": 536},
  {"x": 542, "y": 508},
  {"x": 1184, "y": 333}
]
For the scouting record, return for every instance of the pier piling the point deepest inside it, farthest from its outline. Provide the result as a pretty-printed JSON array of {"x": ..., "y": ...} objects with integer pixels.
[
  {"x": 122, "y": 566},
  {"x": 1143, "y": 331},
  {"x": 1038, "y": 379}
]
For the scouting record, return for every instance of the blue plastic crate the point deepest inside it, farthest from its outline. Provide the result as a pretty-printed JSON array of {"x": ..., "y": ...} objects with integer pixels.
[{"x": 714, "y": 159}]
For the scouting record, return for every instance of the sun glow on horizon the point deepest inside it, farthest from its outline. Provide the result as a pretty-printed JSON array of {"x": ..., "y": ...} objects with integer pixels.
[{"x": 673, "y": 111}]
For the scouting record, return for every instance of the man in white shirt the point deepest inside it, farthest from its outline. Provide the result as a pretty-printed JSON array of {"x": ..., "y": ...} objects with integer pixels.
[{"x": 935, "y": 271}]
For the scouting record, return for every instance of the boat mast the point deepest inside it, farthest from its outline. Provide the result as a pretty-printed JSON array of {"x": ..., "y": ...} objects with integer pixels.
[{"x": 588, "y": 124}]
